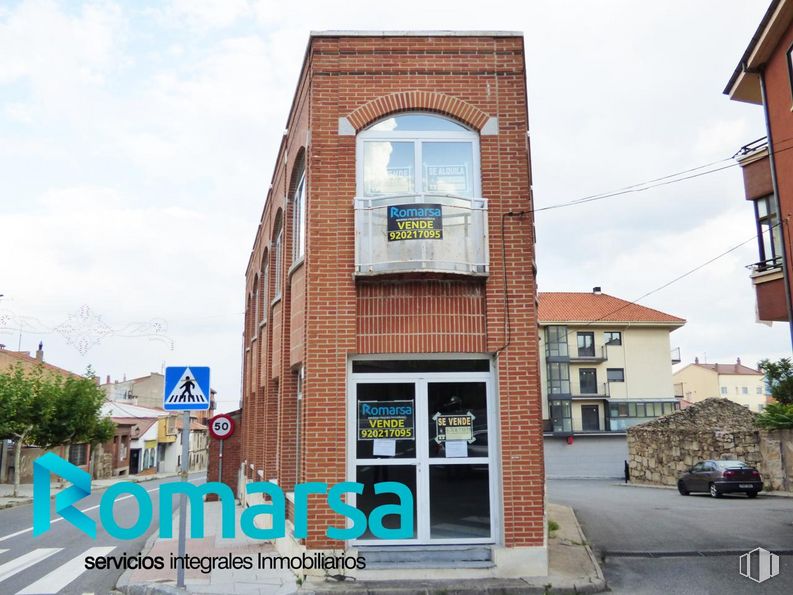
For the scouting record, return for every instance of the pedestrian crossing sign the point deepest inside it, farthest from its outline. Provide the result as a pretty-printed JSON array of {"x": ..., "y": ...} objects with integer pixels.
[{"x": 186, "y": 388}]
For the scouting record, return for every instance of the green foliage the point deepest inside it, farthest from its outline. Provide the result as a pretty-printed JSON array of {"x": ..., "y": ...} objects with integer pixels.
[
  {"x": 776, "y": 416},
  {"x": 780, "y": 377},
  {"x": 48, "y": 410}
]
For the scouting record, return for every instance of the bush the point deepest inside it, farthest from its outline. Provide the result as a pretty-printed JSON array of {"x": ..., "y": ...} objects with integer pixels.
[{"x": 776, "y": 416}]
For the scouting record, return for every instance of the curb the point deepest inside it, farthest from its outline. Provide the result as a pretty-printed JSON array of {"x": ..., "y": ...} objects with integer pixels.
[
  {"x": 599, "y": 584},
  {"x": 773, "y": 493},
  {"x": 98, "y": 488},
  {"x": 124, "y": 585}
]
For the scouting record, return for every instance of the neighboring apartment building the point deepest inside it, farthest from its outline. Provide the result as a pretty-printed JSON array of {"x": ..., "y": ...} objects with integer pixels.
[
  {"x": 398, "y": 215},
  {"x": 606, "y": 362},
  {"x": 764, "y": 76},
  {"x": 736, "y": 382}
]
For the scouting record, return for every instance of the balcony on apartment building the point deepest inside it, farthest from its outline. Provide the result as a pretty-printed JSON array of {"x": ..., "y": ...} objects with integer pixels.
[
  {"x": 592, "y": 391},
  {"x": 589, "y": 354},
  {"x": 766, "y": 274}
]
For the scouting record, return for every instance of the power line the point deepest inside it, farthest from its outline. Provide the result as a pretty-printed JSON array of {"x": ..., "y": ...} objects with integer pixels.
[
  {"x": 679, "y": 277},
  {"x": 657, "y": 182}
]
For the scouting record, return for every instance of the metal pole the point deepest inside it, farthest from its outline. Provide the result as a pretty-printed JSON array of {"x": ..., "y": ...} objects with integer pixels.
[
  {"x": 183, "y": 500},
  {"x": 220, "y": 463}
]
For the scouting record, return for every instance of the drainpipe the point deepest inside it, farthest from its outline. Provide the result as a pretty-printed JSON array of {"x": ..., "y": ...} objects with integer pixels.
[{"x": 782, "y": 224}]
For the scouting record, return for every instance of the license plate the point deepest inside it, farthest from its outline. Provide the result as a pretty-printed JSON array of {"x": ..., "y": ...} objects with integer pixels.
[{"x": 745, "y": 485}]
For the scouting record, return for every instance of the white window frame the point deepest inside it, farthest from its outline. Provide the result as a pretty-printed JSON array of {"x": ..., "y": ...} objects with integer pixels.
[
  {"x": 278, "y": 244},
  {"x": 418, "y": 137},
  {"x": 299, "y": 219},
  {"x": 421, "y": 381}
]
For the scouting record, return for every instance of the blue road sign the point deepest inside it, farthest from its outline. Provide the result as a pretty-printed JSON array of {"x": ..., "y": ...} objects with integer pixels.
[{"x": 186, "y": 388}]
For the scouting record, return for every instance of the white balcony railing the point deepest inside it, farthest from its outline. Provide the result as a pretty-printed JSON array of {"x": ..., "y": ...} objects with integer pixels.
[{"x": 439, "y": 233}]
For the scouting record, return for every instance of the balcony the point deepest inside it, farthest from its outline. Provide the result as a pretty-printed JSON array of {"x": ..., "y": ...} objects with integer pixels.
[
  {"x": 676, "y": 355},
  {"x": 769, "y": 287},
  {"x": 421, "y": 233},
  {"x": 589, "y": 356},
  {"x": 602, "y": 393}
]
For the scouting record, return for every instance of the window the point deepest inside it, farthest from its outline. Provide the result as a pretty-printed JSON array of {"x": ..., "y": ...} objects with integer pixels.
[
  {"x": 744, "y": 390},
  {"x": 419, "y": 153},
  {"x": 299, "y": 419},
  {"x": 790, "y": 67},
  {"x": 587, "y": 379},
  {"x": 586, "y": 344},
  {"x": 265, "y": 288},
  {"x": 556, "y": 341},
  {"x": 418, "y": 205},
  {"x": 558, "y": 378},
  {"x": 615, "y": 374},
  {"x": 78, "y": 454},
  {"x": 561, "y": 416},
  {"x": 613, "y": 337},
  {"x": 255, "y": 306},
  {"x": 769, "y": 235},
  {"x": 724, "y": 390},
  {"x": 759, "y": 390},
  {"x": 279, "y": 260},
  {"x": 299, "y": 219}
]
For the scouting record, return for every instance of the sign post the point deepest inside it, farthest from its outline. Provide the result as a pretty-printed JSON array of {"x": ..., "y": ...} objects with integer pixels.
[
  {"x": 221, "y": 427},
  {"x": 186, "y": 389}
]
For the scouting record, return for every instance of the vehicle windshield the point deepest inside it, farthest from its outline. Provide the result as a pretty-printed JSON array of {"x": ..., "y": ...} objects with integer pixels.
[{"x": 731, "y": 464}]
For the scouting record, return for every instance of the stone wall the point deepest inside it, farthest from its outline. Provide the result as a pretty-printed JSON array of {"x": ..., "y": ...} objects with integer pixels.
[
  {"x": 655, "y": 457},
  {"x": 661, "y": 450},
  {"x": 776, "y": 450}
]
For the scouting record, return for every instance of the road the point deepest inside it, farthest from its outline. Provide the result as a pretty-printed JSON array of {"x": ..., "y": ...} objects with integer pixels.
[
  {"x": 54, "y": 562},
  {"x": 653, "y": 540}
]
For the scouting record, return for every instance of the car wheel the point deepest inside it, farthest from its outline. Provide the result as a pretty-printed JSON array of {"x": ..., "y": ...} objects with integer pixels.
[
  {"x": 681, "y": 487},
  {"x": 714, "y": 491},
  {"x": 751, "y": 494}
]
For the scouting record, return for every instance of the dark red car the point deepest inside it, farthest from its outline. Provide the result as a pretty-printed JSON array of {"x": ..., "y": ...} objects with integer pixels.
[{"x": 721, "y": 477}]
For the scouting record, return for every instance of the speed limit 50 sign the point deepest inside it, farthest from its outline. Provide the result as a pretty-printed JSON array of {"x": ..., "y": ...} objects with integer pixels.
[{"x": 221, "y": 426}]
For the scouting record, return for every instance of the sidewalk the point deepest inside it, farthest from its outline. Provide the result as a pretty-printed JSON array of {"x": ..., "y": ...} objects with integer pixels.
[
  {"x": 26, "y": 489},
  {"x": 573, "y": 568}
]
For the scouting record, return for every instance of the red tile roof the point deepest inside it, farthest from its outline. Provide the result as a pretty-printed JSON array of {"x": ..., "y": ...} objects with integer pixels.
[
  {"x": 569, "y": 306},
  {"x": 25, "y": 358},
  {"x": 730, "y": 369}
]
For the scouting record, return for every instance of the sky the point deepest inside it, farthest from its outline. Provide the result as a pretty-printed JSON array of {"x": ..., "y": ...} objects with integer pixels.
[{"x": 138, "y": 139}]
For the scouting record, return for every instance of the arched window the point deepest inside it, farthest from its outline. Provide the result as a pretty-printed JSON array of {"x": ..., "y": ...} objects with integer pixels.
[
  {"x": 278, "y": 247},
  {"x": 265, "y": 287},
  {"x": 299, "y": 218},
  {"x": 419, "y": 204},
  {"x": 418, "y": 153},
  {"x": 255, "y": 306}
]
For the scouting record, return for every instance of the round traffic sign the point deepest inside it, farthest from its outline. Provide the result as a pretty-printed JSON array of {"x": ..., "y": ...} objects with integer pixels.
[{"x": 221, "y": 426}]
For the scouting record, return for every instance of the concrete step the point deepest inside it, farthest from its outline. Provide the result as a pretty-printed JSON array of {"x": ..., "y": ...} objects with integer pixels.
[{"x": 422, "y": 556}]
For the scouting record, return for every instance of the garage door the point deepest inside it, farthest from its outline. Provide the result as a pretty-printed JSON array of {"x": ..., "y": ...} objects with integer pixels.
[{"x": 588, "y": 457}]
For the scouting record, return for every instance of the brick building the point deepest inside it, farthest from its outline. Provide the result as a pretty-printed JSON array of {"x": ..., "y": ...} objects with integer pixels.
[
  {"x": 393, "y": 270},
  {"x": 764, "y": 76}
]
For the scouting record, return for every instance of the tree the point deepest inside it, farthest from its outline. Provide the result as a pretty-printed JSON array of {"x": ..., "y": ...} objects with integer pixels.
[
  {"x": 780, "y": 377},
  {"x": 48, "y": 410},
  {"x": 776, "y": 416}
]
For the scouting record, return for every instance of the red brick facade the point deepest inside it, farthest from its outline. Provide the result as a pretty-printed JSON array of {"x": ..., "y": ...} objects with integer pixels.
[
  {"x": 232, "y": 451},
  {"x": 325, "y": 316}
]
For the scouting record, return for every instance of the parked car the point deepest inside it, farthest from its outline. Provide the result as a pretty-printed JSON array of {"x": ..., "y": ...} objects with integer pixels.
[{"x": 721, "y": 477}]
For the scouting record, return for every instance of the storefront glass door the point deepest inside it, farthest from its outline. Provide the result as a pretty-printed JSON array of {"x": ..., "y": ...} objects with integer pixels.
[{"x": 432, "y": 433}]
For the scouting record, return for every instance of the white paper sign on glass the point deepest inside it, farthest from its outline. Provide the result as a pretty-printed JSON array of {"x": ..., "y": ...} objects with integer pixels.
[
  {"x": 456, "y": 449},
  {"x": 384, "y": 448}
]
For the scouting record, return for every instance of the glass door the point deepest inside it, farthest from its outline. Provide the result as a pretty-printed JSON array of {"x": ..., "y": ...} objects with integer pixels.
[{"x": 432, "y": 434}]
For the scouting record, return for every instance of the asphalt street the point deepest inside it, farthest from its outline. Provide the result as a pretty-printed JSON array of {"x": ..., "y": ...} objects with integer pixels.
[
  {"x": 54, "y": 562},
  {"x": 652, "y": 540}
]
